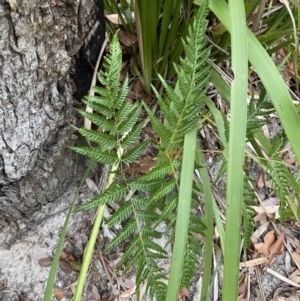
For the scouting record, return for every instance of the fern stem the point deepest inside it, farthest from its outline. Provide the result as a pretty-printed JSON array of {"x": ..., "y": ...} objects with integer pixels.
[{"x": 183, "y": 214}]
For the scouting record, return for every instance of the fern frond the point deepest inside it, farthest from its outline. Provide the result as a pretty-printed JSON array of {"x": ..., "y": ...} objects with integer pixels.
[
  {"x": 155, "y": 195},
  {"x": 150, "y": 232},
  {"x": 121, "y": 215},
  {"x": 223, "y": 168},
  {"x": 106, "y": 141},
  {"x": 196, "y": 224},
  {"x": 131, "y": 155},
  {"x": 248, "y": 223},
  {"x": 145, "y": 186},
  {"x": 159, "y": 128},
  {"x": 131, "y": 248},
  {"x": 127, "y": 231},
  {"x": 100, "y": 121},
  {"x": 170, "y": 116},
  {"x": 111, "y": 195},
  {"x": 151, "y": 245},
  {"x": 276, "y": 146},
  {"x": 104, "y": 157},
  {"x": 139, "y": 202},
  {"x": 102, "y": 100},
  {"x": 191, "y": 263},
  {"x": 125, "y": 126},
  {"x": 122, "y": 93},
  {"x": 248, "y": 212},
  {"x": 99, "y": 108},
  {"x": 165, "y": 189},
  {"x": 123, "y": 112},
  {"x": 280, "y": 184},
  {"x": 132, "y": 136},
  {"x": 161, "y": 171},
  {"x": 134, "y": 260},
  {"x": 154, "y": 275},
  {"x": 175, "y": 99},
  {"x": 147, "y": 216}
]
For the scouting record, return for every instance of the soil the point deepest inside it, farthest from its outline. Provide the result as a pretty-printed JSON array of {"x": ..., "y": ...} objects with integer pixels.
[{"x": 23, "y": 245}]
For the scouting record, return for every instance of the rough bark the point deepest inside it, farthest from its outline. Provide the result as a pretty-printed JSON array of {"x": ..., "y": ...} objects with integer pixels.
[{"x": 47, "y": 50}]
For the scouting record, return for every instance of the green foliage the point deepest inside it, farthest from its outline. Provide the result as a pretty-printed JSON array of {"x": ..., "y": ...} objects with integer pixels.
[
  {"x": 154, "y": 196},
  {"x": 156, "y": 51},
  {"x": 248, "y": 212},
  {"x": 118, "y": 131},
  {"x": 279, "y": 174},
  {"x": 257, "y": 112}
]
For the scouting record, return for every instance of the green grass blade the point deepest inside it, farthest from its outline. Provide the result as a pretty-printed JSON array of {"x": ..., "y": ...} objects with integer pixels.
[
  {"x": 169, "y": 31},
  {"x": 183, "y": 214},
  {"x": 236, "y": 149},
  {"x": 219, "y": 121},
  {"x": 146, "y": 25},
  {"x": 270, "y": 77}
]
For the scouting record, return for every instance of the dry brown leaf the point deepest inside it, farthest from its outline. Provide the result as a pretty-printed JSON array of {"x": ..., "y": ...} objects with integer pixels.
[
  {"x": 134, "y": 95},
  {"x": 138, "y": 88},
  {"x": 70, "y": 258},
  {"x": 290, "y": 160},
  {"x": 183, "y": 293},
  {"x": 45, "y": 262},
  {"x": 114, "y": 18},
  {"x": 261, "y": 218},
  {"x": 128, "y": 292},
  {"x": 292, "y": 298},
  {"x": 59, "y": 294},
  {"x": 261, "y": 180},
  {"x": 271, "y": 202},
  {"x": 63, "y": 255},
  {"x": 259, "y": 232},
  {"x": 122, "y": 77},
  {"x": 295, "y": 276},
  {"x": 65, "y": 267},
  {"x": 72, "y": 288},
  {"x": 276, "y": 248},
  {"x": 269, "y": 240},
  {"x": 126, "y": 38},
  {"x": 95, "y": 294}
]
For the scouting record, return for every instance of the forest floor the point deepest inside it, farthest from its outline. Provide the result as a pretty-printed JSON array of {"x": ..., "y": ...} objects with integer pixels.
[
  {"x": 26, "y": 253},
  {"x": 268, "y": 271}
]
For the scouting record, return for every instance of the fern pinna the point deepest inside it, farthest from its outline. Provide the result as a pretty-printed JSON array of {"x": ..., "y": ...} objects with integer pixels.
[{"x": 151, "y": 200}]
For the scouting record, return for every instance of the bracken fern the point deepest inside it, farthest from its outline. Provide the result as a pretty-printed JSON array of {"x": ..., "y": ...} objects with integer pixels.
[{"x": 151, "y": 200}]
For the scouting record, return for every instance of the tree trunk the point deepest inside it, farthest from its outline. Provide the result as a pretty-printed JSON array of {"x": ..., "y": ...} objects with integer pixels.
[{"x": 47, "y": 52}]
